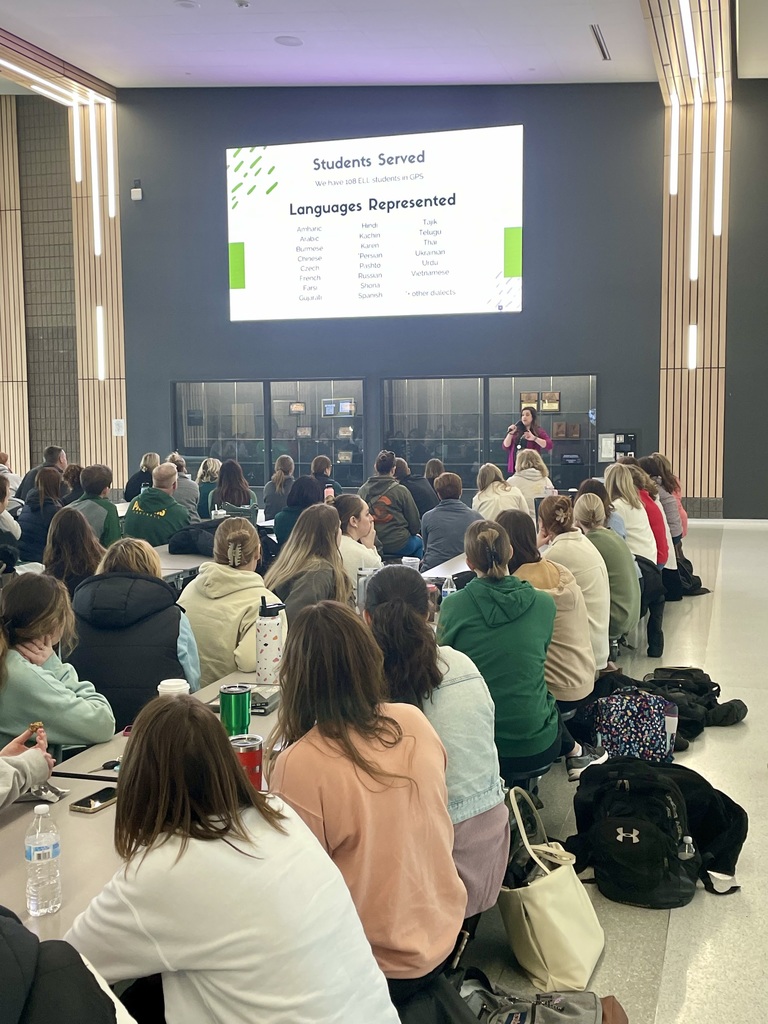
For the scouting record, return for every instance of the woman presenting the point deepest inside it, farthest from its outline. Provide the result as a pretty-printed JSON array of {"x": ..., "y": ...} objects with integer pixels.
[{"x": 525, "y": 434}]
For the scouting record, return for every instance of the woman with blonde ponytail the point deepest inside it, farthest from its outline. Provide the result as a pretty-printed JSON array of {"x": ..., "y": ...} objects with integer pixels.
[{"x": 222, "y": 602}]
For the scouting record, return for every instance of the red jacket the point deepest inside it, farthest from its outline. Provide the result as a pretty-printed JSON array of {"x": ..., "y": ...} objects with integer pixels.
[{"x": 656, "y": 519}]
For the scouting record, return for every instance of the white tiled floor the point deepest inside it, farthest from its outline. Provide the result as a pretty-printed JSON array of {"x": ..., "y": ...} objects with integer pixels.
[{"x": 706, "y": 961}]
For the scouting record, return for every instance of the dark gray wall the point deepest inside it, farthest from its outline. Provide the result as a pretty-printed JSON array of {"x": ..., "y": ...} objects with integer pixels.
[
  {"x": 746, "y": 377},
  {"x": 592, "y": 216}
]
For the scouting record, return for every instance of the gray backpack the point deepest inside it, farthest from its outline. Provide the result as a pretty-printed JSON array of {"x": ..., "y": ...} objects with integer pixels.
[{"x": 493, "y": 1006}]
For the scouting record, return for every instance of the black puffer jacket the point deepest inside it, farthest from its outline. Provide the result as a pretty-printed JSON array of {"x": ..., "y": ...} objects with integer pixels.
[
  {"x": 128, "y": 632},
  {"x": 35, "y": 523},
  {"x": 43, "y": 982}
]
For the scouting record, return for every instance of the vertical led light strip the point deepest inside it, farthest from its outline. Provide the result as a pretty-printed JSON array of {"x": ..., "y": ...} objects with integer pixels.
[
  {"x": 690, "y": 45},
  {"x": 695, "y": 186},
  {"x": 110, "y": 112},
  {"x": 693, "y": 346},
  {"x": 674, "y": 144},
  {"x": 101, "y": 371},
  {"x": 77, "y": 139},
  {"x": 94, "y": 176},
  {"x": 717, "y": 211}
]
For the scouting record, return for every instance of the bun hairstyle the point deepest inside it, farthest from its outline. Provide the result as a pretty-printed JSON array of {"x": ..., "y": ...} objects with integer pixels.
[
  {"x": 236, "y": 543},
  {"x": 487, "y": 548},
  {"x": 385, "y": 462},
  {"x": 589, "y": 511},
  {"x": 283, "y": 469},
  {"x": 348, "y": 505},
  {"x": 556, "y": 514}
]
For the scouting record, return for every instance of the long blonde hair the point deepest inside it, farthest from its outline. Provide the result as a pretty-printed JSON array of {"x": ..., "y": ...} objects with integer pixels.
[
  {"x": 529, "y": 459},
  {"x": 489, "y": 474},
  {"x": 621, "y": 486},
  {"x": 312, "y": 545}
]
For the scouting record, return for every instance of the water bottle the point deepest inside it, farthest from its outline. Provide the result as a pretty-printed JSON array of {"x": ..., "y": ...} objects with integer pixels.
[
  {"x": 449, "y": 587},
  {"x": 269, "y": 642},
  {"x": 42, "y": 854},
  {"x": 687, "y": 851}
]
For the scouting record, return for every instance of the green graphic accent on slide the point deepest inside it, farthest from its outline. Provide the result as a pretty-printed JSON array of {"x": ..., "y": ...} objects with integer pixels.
[
  {"x": 238, "y": 171},
  {"x": 236, "y": 265},
  {"x": 513, "y": 252}
]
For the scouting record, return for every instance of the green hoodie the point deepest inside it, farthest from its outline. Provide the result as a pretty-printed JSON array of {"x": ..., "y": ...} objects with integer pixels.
[
  {"x": 505, "y": 627},
  {"x": 154, "y": 516},
  {"x": 394, "y": 511}
]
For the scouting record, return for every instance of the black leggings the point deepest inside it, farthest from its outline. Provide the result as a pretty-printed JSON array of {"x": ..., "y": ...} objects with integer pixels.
[{"x": 513, "y": 767}]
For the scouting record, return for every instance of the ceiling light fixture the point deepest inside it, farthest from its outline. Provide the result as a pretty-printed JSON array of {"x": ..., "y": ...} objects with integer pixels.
[
  {"x": 289, "y": 41},
  {"x": 693, "y": 273},
  {"x": 188, "y": 4},
  {"x": 77, "y": 139},
  {"x": 717, "y": 213},
  {"x": 674, "y": 143},
  {"x": 597, "y": 33},
  {"x": 94, "y": 147},
  {"x": 51, "y": 95},
  {"x": 34, "y": 78}
]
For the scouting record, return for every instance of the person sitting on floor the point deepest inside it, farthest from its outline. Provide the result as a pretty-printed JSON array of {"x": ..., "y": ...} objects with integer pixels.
[
  {"x": 443, "y": 528},
  {"x": 155, "y": 515}
]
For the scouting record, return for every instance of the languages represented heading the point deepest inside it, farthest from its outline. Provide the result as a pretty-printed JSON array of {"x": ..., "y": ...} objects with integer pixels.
[{"x": 382, "y": 205}]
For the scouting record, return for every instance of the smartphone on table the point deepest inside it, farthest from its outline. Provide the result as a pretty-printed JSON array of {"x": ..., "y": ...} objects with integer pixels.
[{"x": 95, "y": 801}]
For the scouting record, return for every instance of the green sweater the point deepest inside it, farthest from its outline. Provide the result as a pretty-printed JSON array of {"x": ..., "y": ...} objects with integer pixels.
[
  {"x": 102, "y": 516},
  {"x": 154, "y": 516},
  {"x": 622, "y": 579},
  {"x": 505, "y": 627}
]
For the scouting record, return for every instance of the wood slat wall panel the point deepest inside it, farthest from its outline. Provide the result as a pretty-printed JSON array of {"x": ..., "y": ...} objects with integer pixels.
[
  {"x": 46, "y": 65},
  {"x": 14, "y": 403}
]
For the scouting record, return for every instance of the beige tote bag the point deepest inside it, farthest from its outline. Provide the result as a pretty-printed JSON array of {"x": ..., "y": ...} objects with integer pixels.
[{"x": 551, "y": 924}]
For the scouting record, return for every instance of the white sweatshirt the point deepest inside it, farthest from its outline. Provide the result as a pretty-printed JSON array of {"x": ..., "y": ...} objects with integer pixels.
[
  {"x": 264, "y": 932},
  {"x": 575, "y": 552}
]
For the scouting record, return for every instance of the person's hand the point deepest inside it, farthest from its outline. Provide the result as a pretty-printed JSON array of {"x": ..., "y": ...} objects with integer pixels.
[
  {"x": 511, "y": 428},
  {"x": 542, "y": 538},
  {"x": 19, "y": 746},
  {"x": 529, "y": 436},
  {"x": 369, "y": 540},
  {"x": 36, "y": 651}
]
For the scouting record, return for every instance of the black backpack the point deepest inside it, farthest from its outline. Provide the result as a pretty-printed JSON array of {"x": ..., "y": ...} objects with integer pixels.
[
  {"x": 663, "y": 803},
  {"x": 697, "y": 698}
]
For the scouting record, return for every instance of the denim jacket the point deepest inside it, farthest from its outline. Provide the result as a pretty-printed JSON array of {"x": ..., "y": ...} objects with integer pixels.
[{"x": 461, "y": 711}]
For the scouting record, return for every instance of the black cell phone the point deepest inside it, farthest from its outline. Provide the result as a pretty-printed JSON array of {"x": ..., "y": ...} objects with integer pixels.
[
  {"x": 95, "y": 801},
  {"x": 265, "y": 699}
]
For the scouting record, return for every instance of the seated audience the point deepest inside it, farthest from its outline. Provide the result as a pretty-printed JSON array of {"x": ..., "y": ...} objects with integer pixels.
[
  {"x": 394, "y": 511},
  {"x": 53, "y": 458},
  {"x": 589, "y": 516},
  {"x": 613, "y": 520},
  {"x": 567, "y": 545},
  {"x": 232, "y": 488},
  {"x": 421, "y": 490},
  {"x": 672, "y": 484},
  {"x": 432, "y": 471},
  {"x": 95, "y": 505},
  {"x": 309, "y": 567},
  {"x": 358, "y": 537},
  {"x": 306, "y": 491},
  {"x": 664, "y": 481},
  {"x": 155, "y": 515},
  {"x": 149, "y": 463},
  {"x": 368, "y": 777},
  {"x": 443, "y": 528},
  {"x": 187, "y": 492},
  {"x": 222, "y": 602},
  {"x": 10, "y": 531},
  {"x": 648, "y": 494},
  {"x": 22, "y": 767},
  {"x": 224, "y": 890},
  {"x": 72, "y": 553},
  {"x": 131, "y": 632},
  {"x": 531, "y": 477},
  {"x": 277, "y": 489},
  {"x": 569, "y": 669},
  {"x": 35, "y": 617},
  {"x": 448, "y": 688},
  {"x": 72, "y": 480},
  {"x": 624, "y": 497},
  {"x": 505, "y": 626},
  {"x": 207, "y": 480},
  {"x": 495, "y": 495},
  {"x": 13, "y": 479},
  {"x": 321, "y": 470},
  {"x": 41, "y": 505}
]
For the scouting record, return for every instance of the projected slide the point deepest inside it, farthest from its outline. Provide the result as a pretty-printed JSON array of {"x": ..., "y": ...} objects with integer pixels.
[{"x": 399, "y": 225}]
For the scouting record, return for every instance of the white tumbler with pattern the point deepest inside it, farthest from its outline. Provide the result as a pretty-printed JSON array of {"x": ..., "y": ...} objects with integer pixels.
[{"x": 269, "y": 642}]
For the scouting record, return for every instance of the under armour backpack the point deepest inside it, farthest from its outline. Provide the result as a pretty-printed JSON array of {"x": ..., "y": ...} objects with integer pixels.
[{"x": 638, "y": 837}]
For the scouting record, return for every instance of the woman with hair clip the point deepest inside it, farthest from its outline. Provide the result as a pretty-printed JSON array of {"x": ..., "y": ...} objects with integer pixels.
[
  {"x": 222, "y": 602},
  {"x": 393, "y": 509},
  {"x": 132, "y": 634},
  {"x": 279, "y": 487},
  {"x": 72, "y": 552},
  {"x": 368, "y": 777},
  {"x": 505, "y": 626},
  {"x": 232, "y": 488},
  {"x": 35, "y": 517},
  {"x": 495, "y": 494},
  {"x": 207, "y": 480},
  {"x": 448, "y": 688},
  {"x": 613, "y": 520},
  {"x": 589, "y": 515},
  {"x": 35, "y": 617},
  {"x": 566, "y": 544},
  {"x": 149, "y": 462},
  {"x": 358, "y": 537},
  {"x": 309, "y": 567},
  {"x": 523, "y": 435},
  {"x": 224, "y": 891},
  {"x": 569, "y": 669}
]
